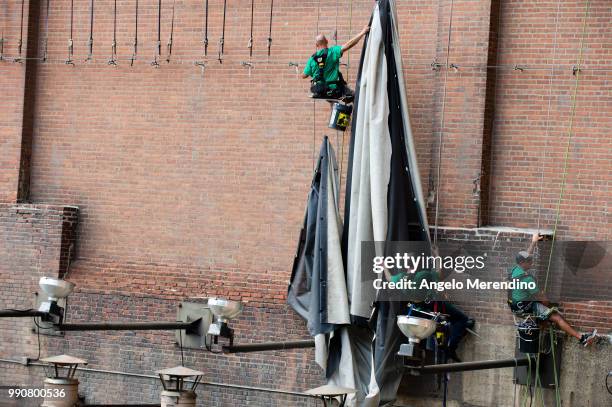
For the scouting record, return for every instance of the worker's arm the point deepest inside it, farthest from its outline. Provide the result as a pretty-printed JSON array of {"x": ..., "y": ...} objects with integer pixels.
[
  {"x": 534, "y": 241},
  {"x": 307, "y": 72},
  {"x": 353, "y": 41}
]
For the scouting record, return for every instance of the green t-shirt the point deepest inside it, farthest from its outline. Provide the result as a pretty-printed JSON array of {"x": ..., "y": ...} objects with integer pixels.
[
  {"x": 332, "y": 65},
  {"x": 521, "y": 294},
  {"x": 419, "y": 294}
]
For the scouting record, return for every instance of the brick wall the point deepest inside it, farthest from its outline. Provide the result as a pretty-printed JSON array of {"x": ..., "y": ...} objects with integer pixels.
[
  {"x": 30, "y": 247},
  {"x": 192, "y": 182}
]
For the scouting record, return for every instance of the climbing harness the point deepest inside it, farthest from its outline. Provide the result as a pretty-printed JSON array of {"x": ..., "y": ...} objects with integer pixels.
[
  {"x": 155, "y": 62},
  {"x": 46, "y": 41},
  {"x": 270, "y": 29},
  {"x": 20, "y": 42},
  {"x": 170, "y": 39},
  {"x": 206, "y": 30},
  {"x": 518, "y": 307},
  {"x": 250, "y": 46},
  {"x": 320, "y": 88},
  {"x": 69, "y": 61},
  {"x": 90, "y": 41},
  {"x": 222, "y": 39},
  {"x": 113, "y": 59},
  {"x": 135, "y": 44}
]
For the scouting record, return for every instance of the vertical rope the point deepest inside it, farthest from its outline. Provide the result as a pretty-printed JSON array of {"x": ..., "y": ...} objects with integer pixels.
[
  {"x": 552, "y": 348},
  {"x": 4, "y": 17},
  {"x": 441, "y": 131},
  {"x": 336, "y": 26},
  {"x": 348, "y": 80},
  {"x": 569, "y": 139},
  {"x": 314, "y": 102},
  {"x": 348, "y": 57},
  {"x": 46, "y": 42}
]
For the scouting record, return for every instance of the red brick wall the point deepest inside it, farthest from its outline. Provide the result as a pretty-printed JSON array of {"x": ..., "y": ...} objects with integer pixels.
[
  {"x": 533, "y": 118},
  {"x": 31, "y": 246},
  {"x": 12, "y": 76},
  {"x": 193, "y": 183}
]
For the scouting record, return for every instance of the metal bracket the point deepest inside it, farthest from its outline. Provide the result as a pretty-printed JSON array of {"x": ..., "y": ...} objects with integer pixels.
[
  {"x": 191, "y": 311},
  {"x": 46, "y": 327}
]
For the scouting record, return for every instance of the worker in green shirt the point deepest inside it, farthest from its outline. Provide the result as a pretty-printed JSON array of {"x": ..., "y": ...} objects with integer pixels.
[
  {"x": 531, "y": 302},
  {"x": 324, "y": 68}
]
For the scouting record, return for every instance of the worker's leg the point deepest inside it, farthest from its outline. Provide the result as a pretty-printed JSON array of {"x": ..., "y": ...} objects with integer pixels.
[
  {"x": 544, "y": 313},
  {"x": 563, "y": 325},
  {"x": 459, "y": 321}
]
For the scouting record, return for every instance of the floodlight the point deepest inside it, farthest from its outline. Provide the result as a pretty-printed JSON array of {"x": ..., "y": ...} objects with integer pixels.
[
  {"x": 415, "y": 328},
  {"x": 223, "y": 310},
  {"x": 55, "y": 288}
]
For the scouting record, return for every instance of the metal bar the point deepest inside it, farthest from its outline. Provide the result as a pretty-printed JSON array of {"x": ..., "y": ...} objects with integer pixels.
[
  {"x": 478, "y": 365},
  {"x": 20, "y": 42},
  {"x": 21, "y": 314},
  {"x": 206, "y": 30},
  {"x": 250, "y": 46},
  {"x": 222, "y": 39},
  {"x": 270, "y": 30},
  {"x": 155, "y": 62},
  {"x": 135, "y": 49},
  {"x": 171, "y": 37},
  {"x": 260, "y": 347},
  {"x": 46, "y": 43},
  {"x": 127, "y": 326}
]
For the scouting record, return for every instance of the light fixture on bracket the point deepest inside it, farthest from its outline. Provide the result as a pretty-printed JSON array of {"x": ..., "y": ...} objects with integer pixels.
[
  {"x": 223, "y": 310},
  {"x": 55, "y": 289}
]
